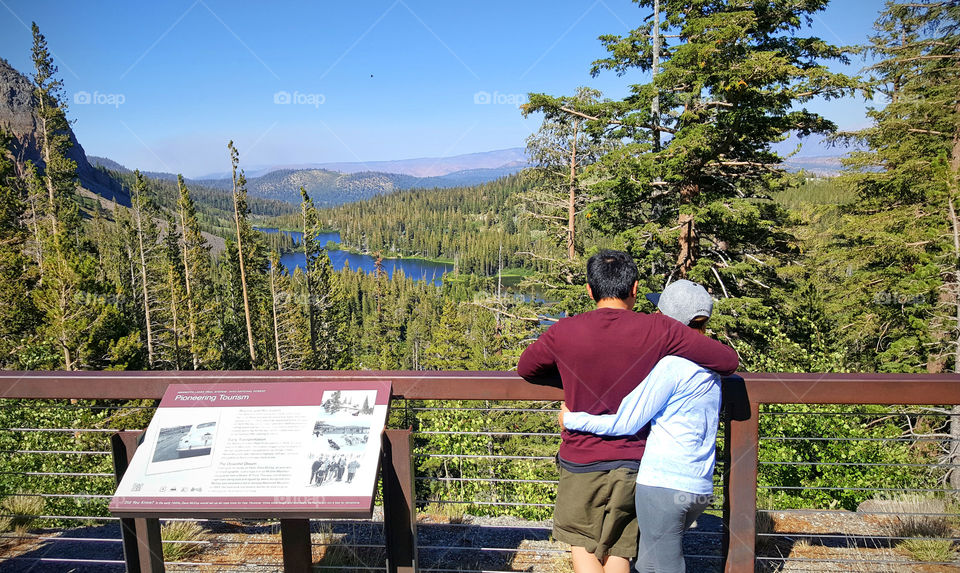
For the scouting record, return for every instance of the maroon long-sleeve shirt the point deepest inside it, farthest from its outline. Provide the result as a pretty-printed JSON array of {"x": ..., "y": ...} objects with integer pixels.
[{"x": 598, "y": 357}]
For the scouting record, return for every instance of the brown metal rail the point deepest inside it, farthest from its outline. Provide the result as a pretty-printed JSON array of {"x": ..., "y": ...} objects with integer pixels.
[{"x": 742, "y": 396}]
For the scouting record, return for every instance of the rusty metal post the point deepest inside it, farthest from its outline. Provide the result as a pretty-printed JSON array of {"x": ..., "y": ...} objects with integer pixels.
[
  {"x": 740, "y": 495},
  {"x": 399, "y": 502},
  {"x": 297, "y": 549},
  {"x": 142, "y": 545},
  {"x": 123, "y": 445}
]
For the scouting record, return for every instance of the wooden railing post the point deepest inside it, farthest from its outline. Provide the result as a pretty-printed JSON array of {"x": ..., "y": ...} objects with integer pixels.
[
  {"x": 740, "y": 491},
  {"x": 399, "y": 502},
  {"x": 142, "y": 545}
]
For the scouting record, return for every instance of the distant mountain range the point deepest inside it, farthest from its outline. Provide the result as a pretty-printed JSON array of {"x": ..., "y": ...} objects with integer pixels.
[
  {"x": 329, "y": 188},
  {"x": 822, "y": 165},
  {"x": 419, "y": 167}
]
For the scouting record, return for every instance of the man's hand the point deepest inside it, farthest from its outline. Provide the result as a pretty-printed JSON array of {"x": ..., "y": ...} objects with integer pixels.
[{"x": 563, "y": 410}]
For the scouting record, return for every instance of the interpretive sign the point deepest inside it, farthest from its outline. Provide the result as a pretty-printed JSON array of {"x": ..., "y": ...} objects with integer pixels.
[{"x": 287, "y": 449}]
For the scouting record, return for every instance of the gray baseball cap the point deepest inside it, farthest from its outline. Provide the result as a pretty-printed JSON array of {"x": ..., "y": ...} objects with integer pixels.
[{"x": 683, "y": 300}]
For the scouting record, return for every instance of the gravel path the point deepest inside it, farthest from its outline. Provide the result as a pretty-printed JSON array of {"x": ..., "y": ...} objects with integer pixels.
[
  {"x": 477, "y": 543},
  {"x": 798, "y": 541}
]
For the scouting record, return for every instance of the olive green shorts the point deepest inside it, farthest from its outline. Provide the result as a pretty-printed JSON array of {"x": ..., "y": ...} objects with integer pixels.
[{"x": 596, "y": 511}]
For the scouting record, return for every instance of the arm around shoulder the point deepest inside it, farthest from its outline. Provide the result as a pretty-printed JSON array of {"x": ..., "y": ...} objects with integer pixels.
[{"x": 689, "y": 343}]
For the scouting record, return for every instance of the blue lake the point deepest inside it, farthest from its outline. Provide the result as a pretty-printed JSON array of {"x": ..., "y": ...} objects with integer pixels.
[{"x": 417, "y": 269}]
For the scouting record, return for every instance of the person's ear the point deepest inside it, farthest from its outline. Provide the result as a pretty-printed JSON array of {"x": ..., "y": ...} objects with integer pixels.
[
  {"x": 590, "y": 292},
  {"x": 633, "y": 291}
]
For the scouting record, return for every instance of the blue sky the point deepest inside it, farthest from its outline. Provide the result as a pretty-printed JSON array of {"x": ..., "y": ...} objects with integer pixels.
[{"x": 162, "y": 86}]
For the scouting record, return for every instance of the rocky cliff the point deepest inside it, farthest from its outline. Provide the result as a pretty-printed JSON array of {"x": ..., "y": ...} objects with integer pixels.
[{"x": 17, "y": 119}]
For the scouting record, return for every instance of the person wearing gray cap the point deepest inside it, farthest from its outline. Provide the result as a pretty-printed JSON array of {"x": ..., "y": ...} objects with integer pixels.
[
  {"x": 681, "y": 401},
  {"x": 685, "y": 301}
]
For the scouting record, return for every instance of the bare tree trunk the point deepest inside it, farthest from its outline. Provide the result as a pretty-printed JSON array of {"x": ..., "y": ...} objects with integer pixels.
[
  {"x": 572, "y": 201},
  {"x": 51, "y": 192},
  {"x": 143, "y": 278},
  {"x": 311, "y": 320},
  {"x": 176, "y": 327},
  {"x": 243, "y": 275},
  {"x": 63, "y": 306},
  {"x": 689, "y": 243},
  {"x": 655, "y": 69},
  {"x": 35, "y": 224}
]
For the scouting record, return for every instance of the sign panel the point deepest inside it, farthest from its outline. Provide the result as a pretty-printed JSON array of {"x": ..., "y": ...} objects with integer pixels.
[{"x": 288, "y": 449}]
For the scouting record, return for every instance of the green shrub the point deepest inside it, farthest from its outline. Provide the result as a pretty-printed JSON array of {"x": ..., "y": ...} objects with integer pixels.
[{"x": 839, "y": 467}]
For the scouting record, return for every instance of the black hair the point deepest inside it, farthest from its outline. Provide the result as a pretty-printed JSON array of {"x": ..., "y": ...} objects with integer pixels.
[{"x": 611, "y": 274}]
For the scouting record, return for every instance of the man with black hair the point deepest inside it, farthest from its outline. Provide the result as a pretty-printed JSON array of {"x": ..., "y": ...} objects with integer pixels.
[{"x": 598, "y": 357}]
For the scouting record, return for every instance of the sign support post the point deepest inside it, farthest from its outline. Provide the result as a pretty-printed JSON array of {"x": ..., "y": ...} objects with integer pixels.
[
  {"x": 297, "y": 549},
  {"x": 142, "y": 544}
]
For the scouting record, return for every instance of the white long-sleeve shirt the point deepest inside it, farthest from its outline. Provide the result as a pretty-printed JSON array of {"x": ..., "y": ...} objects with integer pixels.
[{"x": 681, "y": 400}]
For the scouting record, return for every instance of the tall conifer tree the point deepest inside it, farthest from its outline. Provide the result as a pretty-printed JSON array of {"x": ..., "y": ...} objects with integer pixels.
[
  {"x": 146, "y": 234},
  {"x": 70, "y": 296},
  {"x": 687, "y": 189},
  {"x": 240, "y": 212},
  {"x": 904, "y": 240}
]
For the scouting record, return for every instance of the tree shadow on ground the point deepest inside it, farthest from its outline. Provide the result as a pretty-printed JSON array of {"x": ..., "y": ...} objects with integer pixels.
[{"x": 87, "y": 549}]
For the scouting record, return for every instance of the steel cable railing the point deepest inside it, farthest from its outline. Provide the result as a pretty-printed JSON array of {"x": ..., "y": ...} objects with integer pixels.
[{"x": 485, "y": 477}]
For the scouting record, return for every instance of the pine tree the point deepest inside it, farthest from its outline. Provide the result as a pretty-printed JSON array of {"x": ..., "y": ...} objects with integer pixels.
[
  {"x": 906, "y": 228},
  {"x": 448, "y": 349},
  {"x": 560, "y": 150},
  {"x": 69, "y": 296},
  {"x": 308, "y": 242},
  {"x": 324, "y": 297},
  {"x": 726, "y": 87},
  {"x": 291, "y": 340},
  {"x": 172, "y": 299},
  {"x": 243, "y": 229},
  {"x": 146, "y": 234},
  {"x": 59, "y": 171},
  {"x": 198, "y": 285}
]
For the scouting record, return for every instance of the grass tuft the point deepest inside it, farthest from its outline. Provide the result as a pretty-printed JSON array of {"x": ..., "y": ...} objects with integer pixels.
[
  {"x": 182, "y": 540},
  {"x": 928, "y": 550},
  {"x": 766, "y": 524},
  {"x": 441, "y": 512},
  {"x": 922, "y": 519},
  {"x": 20, "y": 512},
  {"x": 334, "y": 552}
]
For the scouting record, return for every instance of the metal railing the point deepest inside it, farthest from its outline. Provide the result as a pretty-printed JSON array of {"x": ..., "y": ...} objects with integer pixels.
[{"x": 493, "y": 461}]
